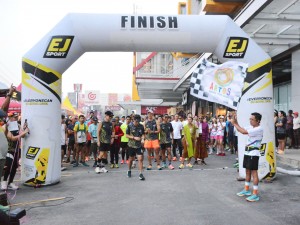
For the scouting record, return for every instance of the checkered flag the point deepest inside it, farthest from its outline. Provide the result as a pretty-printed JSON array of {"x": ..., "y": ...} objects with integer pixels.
[{"x": 222, "y": 84}]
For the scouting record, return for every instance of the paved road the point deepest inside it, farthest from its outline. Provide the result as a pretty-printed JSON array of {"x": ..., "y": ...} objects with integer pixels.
[{"x": 204, "y": 195}]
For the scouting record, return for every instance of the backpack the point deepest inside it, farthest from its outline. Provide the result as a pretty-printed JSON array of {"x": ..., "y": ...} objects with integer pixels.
[{"x": 81, "y": 135}]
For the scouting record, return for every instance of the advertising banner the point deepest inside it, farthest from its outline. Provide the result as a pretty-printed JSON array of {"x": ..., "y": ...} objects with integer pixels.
[
  {"x": 92, "y": 97},
  {"x": 222, "y": 84}
]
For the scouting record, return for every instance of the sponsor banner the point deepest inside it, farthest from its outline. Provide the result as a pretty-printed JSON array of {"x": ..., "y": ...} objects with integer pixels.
[
  {"x": 222, "y": 84},
  {"x": 112, "y": 98},
  {"x": 236, "y": 48},
  {"x": 92, "y": 97},
  {"x": 158, "y": 110},
  {"x": 32, "y": 152},
  {"x": 184, "y": 98},
  {"x": 113, "y": 108},
  {"x": 58, "y": 47},
  {"x": 77, "y": 87}
]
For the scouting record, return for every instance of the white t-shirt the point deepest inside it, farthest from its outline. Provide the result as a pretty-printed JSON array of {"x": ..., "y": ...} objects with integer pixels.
[
  {"x": 177, "y": 127},
  {"x": 63, "y": 134},
  {"x": 220, "y": 130},
  {"x": 296, "y": 123},
  {"x": 255, "y": 136},
  {"x": 213, "y": 129}
]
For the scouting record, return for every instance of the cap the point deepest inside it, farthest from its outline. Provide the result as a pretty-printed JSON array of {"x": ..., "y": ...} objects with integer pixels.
[
  {"x": 113, "y": 120},
  {"x": 150, "y": 111},
  {"x": 296, "y": 113},
  {"x": 2, "y": 113},
  {"x": 137, "y": 118},
  {"x": 95, "y": 118},
  {"x": 109, "y": 113}
]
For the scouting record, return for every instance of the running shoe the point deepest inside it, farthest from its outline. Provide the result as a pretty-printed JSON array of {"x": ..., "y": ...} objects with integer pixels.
[
  {"x": 181, "y": 166},
  {"x": 112, "y": 166},
  {"x": 74, "y": 161},
  {"x": 244, "y": 193},
  {"x": 103, "y": 170},
  {"x": 171, "y": 167},
  {"x": 129, "y": 173},
  {"x": 95, "y": 164},
  {"x": 13, "y": 186},
  {"x": 84, "y": 164},
  {"x": 122, "y": 161},
  {"x": 97, "y": 170},
  {"x": 141, "y": 176},
  {"x": 253, "y": 198},
  {"x": 127, "y": 161},
  {"x": 164, "y": 165},
  {"x": 189, "y": 165},
  {"x": 180, "y": 159},
  {"x": 86, "y": 158},
  {"x": 68, "y": 160},
  {"x": 174, "y": 159},
  {"x": 75, "y": 164},
  {"x": 149, "y": 167},
  {"x": 3, "y": 185},
  {"x": 159, "y": 167},
  {"x": 116, "y": 165}
]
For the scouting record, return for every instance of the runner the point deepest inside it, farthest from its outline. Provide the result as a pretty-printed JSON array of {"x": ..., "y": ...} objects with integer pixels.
[
  {"x": 177, "y": 128},
  {"x": 124, "y": 140},
  {"x": 252, "y": 154},
  {"x": 80, "y": 134},
  {"x": 93, "y": 128},
  {"x": 166, "y": 138},
  {"x": 115, "y": 147},
  {"x": 71, "y": 141},
  {"x": 152, "y": 129},
  {"x": 105, "y": 136},
  {"x": 135, "y": 134}
]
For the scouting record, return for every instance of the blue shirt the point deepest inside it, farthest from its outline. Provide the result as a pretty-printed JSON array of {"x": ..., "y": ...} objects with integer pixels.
[{"x": 93, "y": 130}]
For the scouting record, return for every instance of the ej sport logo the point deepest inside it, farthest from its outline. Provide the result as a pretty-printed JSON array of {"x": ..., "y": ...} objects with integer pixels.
[
  {"x": 58, "y": 47},
  {"x": 236, "y": 47},
  {"x": 32, "y": 152}
]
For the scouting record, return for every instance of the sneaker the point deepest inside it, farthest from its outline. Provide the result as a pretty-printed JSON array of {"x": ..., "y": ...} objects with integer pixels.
[
  {"x": 63, "y": 168},
  {"x": 253, "y": 198},
  {"x": 68, "y": 160},
  {"x": 95, "y": 164},
  {"x": 116, "y": 165},
  {"x": 112, "y": 166},
  {"x": 171, "y": 167},
  {"x": 127, "y": 161},
  {"x": 122, "y": 161},
  {"x": 180, "y": 159},
  {"x": 74, "y": 161},
  {"x": 149, "y": 167},
  {"x": 189, "y": 165},
  {"x": 244, "y": 193},
  {"x": 75, "y": 164},
  {"x": 3, "y": 185},
  {"x": 13, "y": 186},
  {"x": 174, "y": 159},
  {"x": 159, "y": 167},
  {"x": 129, "y": 173},
  {"x": 86, "y": 158},
  {"x": 141, "y": 177},
  {"x": 210, "y": 152},
  {"x": 164, "y": 165},
  {"x": 97, "y": 170},
  {"x": 84, "y": 164},
  {"x": 103, "y": 170},
  {"x": 181, "y": 166}
]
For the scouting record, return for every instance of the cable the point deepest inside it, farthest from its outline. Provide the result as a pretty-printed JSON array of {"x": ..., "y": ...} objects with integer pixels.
[{"x": 42, "y": 206}]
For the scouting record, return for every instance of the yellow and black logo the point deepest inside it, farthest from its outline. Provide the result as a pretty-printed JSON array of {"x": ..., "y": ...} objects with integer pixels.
[
  {"x": 236, "y": 47},
  {"x": 59, "y": 47},
  {"x": 32, "y": 152}
]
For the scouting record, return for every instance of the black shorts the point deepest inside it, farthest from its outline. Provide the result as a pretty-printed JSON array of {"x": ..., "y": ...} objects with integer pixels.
[
  {"x": 88, "y": 143},
  {"x": 81, "y": 144},
  {"x": 71, "y": 143},
  {"x": 104, "y": 147},
  {"x": 124, "y": 145},
  {"x": 64, "y": 148},
  {"x": 281, "y": 136},
  {"x": 94, "y": 147},
  {"x": 165, "y": 146},
  {"x": 250, "y": 162},
  {"x": 135, "y": 151}
]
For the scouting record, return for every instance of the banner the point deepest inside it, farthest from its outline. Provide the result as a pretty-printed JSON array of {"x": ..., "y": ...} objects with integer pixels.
[
  {"x": 222, "y": 84},
  {"x": 92, "y": 97}
]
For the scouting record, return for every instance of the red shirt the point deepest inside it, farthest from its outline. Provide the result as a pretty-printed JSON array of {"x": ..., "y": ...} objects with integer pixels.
[{"x": 119, "y": 133}]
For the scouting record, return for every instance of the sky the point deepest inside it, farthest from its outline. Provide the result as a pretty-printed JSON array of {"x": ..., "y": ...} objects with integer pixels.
[{"x": 24, "y": 22}]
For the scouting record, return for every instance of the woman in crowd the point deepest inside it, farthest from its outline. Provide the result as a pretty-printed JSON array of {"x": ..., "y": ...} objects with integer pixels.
[
  {"x": 213, "y": 134},
  {"x": 281, "y": 131},
  {"x": 220, "y": 136}
]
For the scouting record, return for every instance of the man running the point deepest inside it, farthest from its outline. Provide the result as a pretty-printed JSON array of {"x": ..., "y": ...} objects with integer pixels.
[
  {"x": 166, "y": 137},
  {"x": 105, "y": 136},
  {"x": 152, "y": 129},
  {"x": 135, "y": 134},
  {"x": 251, "y": 154}
]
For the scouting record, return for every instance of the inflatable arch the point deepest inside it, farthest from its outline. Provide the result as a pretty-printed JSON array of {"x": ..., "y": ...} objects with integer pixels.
[{"x": 44, "y": 64}]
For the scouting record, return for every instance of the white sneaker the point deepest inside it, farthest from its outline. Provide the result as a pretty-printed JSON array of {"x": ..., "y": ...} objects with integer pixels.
[
  {"x": 3, "y": 185},
  {"x": 103, "y": 170},
  {"x": 97, "y": 170},
  {"x": 13, "y": 186}
]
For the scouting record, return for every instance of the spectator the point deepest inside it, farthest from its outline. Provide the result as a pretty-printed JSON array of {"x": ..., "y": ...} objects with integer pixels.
[
  {"x": 289, "y": 129},
  {"x": 296, "y": 129},
  {"x": 281, "y": 131}
]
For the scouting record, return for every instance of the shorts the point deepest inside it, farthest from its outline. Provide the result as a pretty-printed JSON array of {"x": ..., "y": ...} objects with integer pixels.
[
  {"x": 104, "y": 147},
  {"x": 281, "y": 136},
  {"x": 151, "y": 144},
  {"x": 213, "y": 137},
  {"x": 81, "y": 144},
  {"x": 71, "y": 143},
  {"x": 135, "y": 151},
  {"x": 250, "y": 162},
  {"x": 64, "y": 148},
  {"x": 94, "y": 147},
  {"x": 88, "y": 143},
  {"x": 165, "y": 146},
  {"x": 124, "y": 145},
  {"x": 219, "y": 137}
]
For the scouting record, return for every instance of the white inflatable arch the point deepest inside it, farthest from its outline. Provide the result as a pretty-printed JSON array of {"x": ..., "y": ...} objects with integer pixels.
[{"x": 44, "y": 64}]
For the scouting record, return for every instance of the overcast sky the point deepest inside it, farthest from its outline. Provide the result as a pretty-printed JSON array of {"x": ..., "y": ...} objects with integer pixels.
[{"x": 24, "y": 22}]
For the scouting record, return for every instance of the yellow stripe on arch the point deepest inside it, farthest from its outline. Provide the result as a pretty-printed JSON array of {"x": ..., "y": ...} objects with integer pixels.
[
  {"x": 268, "y": 83},
  {"x": 25, "y": 78},
  {"x": 258, "y": 65}
]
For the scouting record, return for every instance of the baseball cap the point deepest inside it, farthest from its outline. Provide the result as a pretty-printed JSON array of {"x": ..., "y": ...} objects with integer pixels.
[
  {"x": 2, "y": 113},
  {"x": 95, "y": 118},
  {"x": 296, "y": 113},
  {"x": 109, "y": 113},
  {"x": 150, "y": 111}
]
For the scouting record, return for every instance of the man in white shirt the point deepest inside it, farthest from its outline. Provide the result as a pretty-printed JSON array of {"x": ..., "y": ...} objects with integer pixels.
[
  {"x": 296, "y": 129},
  {"x": 251, "y": 155},
  {"x": 177, "y": 128}
]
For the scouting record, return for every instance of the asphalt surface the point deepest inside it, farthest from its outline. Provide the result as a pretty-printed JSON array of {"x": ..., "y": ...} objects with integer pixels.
[{"x": 203, "y": 195}]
